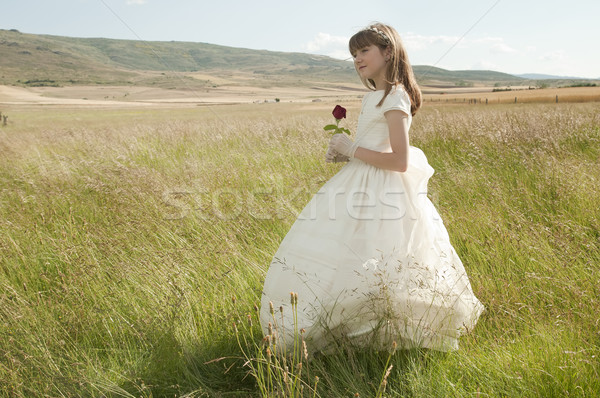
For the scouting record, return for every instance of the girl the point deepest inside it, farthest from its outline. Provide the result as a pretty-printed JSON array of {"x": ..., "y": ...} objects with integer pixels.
[{"x": 369, "y": 260}]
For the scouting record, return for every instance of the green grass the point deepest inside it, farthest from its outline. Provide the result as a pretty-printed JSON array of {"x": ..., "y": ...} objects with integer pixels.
[{"x": 125, "y": 234}]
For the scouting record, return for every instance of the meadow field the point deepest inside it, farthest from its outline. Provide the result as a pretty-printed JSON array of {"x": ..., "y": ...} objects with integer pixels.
[
  {"x": 134, "y": 243},
  {"x": 519, "y": 95}
]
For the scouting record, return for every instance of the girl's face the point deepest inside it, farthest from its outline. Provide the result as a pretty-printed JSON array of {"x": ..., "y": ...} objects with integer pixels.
[{"x": 370, "y": 63}]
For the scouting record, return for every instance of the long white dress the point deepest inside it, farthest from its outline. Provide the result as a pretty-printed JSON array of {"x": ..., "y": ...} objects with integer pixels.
[{"x": 369, "y": 257}]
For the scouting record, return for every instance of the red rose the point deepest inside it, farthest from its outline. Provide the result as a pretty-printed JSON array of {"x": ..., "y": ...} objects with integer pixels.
[{"x": 339, "y": 112}]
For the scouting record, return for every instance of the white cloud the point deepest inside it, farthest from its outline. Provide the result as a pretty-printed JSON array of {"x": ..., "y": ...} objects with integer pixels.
[
  {"x": 340, "y": 54},
  {"x": 486, "y": 40},
  {"x": 496, "y": 45},
  {"x": 337, "y": 46},
  {"x": 326, "y": 44},
  {"x": 502, "y": 48},
  {"x": 557, "y": 55},
  {"x": 426, "y": 48},
  {"x": 483, "y": 64},
  {"x": 414, "y": 41},
  {"x": 559, "y": 62},
  {"x": 136, "y": 2}
]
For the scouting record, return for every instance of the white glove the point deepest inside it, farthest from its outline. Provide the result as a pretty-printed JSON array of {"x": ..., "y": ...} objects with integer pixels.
[
  {"x": 343, "y": 145},
  {"x": 333, "y": 156}
]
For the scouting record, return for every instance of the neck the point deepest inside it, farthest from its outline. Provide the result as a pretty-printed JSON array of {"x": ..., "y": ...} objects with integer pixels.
[
  {"x": 380, "y": 84},
  {"x": 380, "y": 81}
]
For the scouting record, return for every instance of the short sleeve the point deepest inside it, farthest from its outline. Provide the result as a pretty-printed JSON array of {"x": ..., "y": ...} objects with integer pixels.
[{"x": 397, "y": 99}]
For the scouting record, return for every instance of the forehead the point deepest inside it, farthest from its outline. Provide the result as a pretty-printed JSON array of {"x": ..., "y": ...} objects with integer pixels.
[
  {"x": 354, "y": 52},
  {"x": 362, "y": 39}
]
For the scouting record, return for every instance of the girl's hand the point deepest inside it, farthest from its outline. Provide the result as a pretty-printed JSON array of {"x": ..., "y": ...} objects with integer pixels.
[
  {"x": 343, "y": 145},
  {"x": 333, "y": 156}
]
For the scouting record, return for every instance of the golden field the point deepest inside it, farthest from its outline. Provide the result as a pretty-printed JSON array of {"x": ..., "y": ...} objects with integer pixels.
[
  {"x": 120, "y": 96},
  {"x": 135, "y": 236}
]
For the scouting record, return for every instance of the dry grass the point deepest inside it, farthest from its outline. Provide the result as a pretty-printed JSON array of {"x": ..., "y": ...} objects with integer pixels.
[
  {"x": 115, "y": 97},
  {"x": 548, "y": 95},
  {"x": 122, "y": 240}
]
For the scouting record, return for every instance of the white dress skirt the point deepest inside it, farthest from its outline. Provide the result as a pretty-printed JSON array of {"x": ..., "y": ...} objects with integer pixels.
[{"x": 369, "y": 257}]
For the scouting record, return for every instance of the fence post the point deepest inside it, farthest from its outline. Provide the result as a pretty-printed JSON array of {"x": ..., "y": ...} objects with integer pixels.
[
  {"x": 557, "y": 98},
  {"x": 515, "y": 100}
]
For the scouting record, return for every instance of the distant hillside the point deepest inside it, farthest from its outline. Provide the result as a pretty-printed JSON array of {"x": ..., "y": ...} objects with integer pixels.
[
  {"x": 54, "y": 60},
  {"x": 431, "y": 73},
  {"x": 43, "y": 60},
  {"x": 540, "y": 76}
]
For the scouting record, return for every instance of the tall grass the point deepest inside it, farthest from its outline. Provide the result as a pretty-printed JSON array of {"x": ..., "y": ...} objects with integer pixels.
[{"x": 125, "y": 234}]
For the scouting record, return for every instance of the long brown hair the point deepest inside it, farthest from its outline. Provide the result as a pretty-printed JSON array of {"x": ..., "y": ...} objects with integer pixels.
[{"x": 399, "y": 70}]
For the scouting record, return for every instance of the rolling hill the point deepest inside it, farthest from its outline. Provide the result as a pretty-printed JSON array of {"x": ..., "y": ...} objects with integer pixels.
[
  {"x": 55, "y": 60},
  {"x": 44, "y": 60}
]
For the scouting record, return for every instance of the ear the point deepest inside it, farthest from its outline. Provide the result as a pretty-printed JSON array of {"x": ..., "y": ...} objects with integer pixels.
[{"x": 388, "y": 52}]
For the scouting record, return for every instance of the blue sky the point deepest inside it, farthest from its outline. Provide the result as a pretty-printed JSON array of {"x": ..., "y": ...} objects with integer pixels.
[{"x": 515, "y": 36}]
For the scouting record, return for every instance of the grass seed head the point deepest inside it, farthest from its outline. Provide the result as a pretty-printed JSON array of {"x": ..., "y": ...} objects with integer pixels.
[
  {"x": 305, "y": 350},
  {"x": 387, "y": 374}
]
